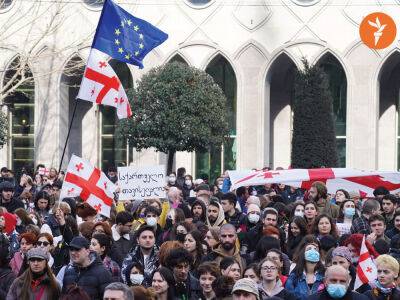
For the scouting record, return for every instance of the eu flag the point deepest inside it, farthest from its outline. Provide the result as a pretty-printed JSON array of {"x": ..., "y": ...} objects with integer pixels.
[{"x": 125, "y": 37}]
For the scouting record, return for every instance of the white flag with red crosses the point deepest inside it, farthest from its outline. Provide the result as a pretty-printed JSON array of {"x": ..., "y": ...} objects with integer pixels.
[
  {"x": 89, "y": 183},
  {"x": 366, "y": 268},
  {"x": 101, "y": 85}
]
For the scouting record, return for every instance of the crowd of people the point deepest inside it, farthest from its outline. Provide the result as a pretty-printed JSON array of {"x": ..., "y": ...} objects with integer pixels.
[{"x": 202, "y": 241}]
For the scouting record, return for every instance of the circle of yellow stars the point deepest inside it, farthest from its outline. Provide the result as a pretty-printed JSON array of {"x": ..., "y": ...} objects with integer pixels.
[{"x": 117, "y": 42}]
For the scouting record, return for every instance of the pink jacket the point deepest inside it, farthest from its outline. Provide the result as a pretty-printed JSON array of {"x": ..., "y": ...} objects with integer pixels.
[{"x": 16, "y": 262}]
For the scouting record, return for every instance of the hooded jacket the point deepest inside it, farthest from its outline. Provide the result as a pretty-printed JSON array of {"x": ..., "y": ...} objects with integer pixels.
[
  {"x": 218, "y": 254},
  {"x": 149, "y": 266},
  {"x": 203, "y": 216},
  {"x": 92, "y": 279},
  {"x": 220, "y": 219}
]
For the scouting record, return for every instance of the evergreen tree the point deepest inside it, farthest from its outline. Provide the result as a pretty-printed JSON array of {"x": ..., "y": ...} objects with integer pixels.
[
  {"x": 314, "y": 139},
  {"x": 3, "y": 129},
  {"x": 176, "y": 108}
]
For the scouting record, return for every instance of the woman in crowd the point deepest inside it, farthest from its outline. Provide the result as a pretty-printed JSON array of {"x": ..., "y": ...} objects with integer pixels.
[
  {"x": 19, "y": 262},
  {"x": 323, "y": 226},
  {"x": 212, "y": 238},
  {"x": 385, "y": 285},
  {"x": 252, "y": 271},
  {"x": 340, "y": 196},
  {"x": 296, "y": 232},
  {"x": 193, "y": 244},
  {"x": 45, "y": 242},
  {"x": 277, "y": 255},
  {"x": 102, "y": 227},
  {"x": 310, "y": 213},
  {"x": 208, "y": 272},
  {"x": 42, "y": 205},
  {"x": 308, "y": 274},
  {"x": 134, "y": 274},
  {"x": 37, "y": 282},
  {"x": 298, "y": 210},
  {"x": 162, "y": 283},
  {"x": 346, "y": 215},
  {"x": 188, "y": 187},
  {"x": 101, "y": 244},
  {"x": 23, "y": 220},
  {"x": 230, "y": 267},
  {"x": 270, "y": 284}
]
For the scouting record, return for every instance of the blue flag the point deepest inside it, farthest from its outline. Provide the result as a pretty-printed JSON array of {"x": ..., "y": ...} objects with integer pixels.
[{"x": 125, "y": 37}]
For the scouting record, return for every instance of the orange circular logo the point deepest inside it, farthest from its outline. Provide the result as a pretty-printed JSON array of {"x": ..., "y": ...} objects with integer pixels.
[{"x": 378, "y": 30}]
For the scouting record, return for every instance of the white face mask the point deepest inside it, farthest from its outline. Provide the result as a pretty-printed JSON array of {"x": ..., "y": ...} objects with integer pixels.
[
  {"x": 299, "y": 213},
  {"x": 136, "y": 278},
  {"x": 188, "y": 182},
  {"x": 253, "y": 218},
  {"x": 151, "y": 221},
  {"x": 171, "y": 179}
]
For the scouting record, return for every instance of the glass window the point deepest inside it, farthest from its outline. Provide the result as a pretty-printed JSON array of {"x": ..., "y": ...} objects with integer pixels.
[
  {"x": 338, "y": 87},
  {"x": 21, "y": 107},
  {"x": 217, "y": 160},
  {"x": 114, "y": 150}
]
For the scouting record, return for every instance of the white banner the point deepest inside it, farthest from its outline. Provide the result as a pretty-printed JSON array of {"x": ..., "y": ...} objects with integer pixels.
[{"x": 141, "y": 182}]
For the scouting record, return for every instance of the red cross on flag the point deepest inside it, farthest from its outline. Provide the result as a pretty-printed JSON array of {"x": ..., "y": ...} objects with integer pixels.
[
  {"x": 366, "y": 269},
  {"x": 101, "y": 85},
  {"x": 88, "y": 182}
]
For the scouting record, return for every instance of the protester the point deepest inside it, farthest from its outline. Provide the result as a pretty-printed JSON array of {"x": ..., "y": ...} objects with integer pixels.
[
  {"x": 208, "y": 272},
  {"x": 245, "y": 289},
  {"x": 118, "y": 291},
  {"x": 162, "y": 283}
]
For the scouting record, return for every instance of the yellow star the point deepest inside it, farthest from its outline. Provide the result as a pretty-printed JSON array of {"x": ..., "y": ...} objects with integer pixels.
[
  {"x": 117, "y": 32},
  {"x": 141, "y": 36},
  {"x": 141, "y": 46},
  {"x": 117, "y": 42},
  {"x": 120, "y": 50},
  {"x": 136, "y": 28},
  {"x": 127, "y": 56},
  {"x": 137, "y": 53},
  {"x": 129, "y": 22}
]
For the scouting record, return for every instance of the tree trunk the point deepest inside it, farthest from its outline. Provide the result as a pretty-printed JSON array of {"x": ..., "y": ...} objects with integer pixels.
[{"x": 171, "y": 155}]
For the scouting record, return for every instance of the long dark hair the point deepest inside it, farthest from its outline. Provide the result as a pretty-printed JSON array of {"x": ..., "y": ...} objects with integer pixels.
[
  {"x": 53, "y": 290},
  {"x": 168, "y": 276},
  {"x": 314, "y": 229},
  {"x": 199, "y": 247},
  {"x": 300, "y": 259}
]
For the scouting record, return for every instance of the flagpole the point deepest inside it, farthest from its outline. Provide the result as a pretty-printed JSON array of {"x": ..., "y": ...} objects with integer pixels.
[{"x": 69, "y": 131}]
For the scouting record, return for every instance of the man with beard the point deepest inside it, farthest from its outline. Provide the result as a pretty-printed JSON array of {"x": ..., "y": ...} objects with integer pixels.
[
  {"x": 199, "y": 211},
  {"x": 215, "y": 215},
  {"x": 227, "y": 247},
  {"x": 319, "y": 194},
  {"x": 145, "y": 254}
]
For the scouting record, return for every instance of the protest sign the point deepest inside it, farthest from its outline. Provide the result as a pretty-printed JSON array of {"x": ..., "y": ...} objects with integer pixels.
[{"x": 141, "y": 182}]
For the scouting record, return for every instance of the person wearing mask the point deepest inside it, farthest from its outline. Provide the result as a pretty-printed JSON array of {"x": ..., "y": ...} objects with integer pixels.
[
  {"x": 186, "y": 286},
  {"x": 250, "y": 220},
  {"x": 112, "y": 174},
  {"x": 145, "y": 253},
  {"x": 7, "y": 199},
  {"x": 123, "y": 239},
  {"x": 85, "y": 270},
  {"x": 134, "y": 274},
  {"x": 37, "y": 282},
  {"x": 319, "y": 194},
  {"x": 346, "y": 215},
  {"x": 336, "y": 282},
  {"x": 101, "y": 244},
  {"x": 270, "y": 284},
  {"x": 308, "y": 274},
  {"x": 227, "y": 247},
  {"x": 152, "y": 216},
  {"x": 389, "y": 206},
  {"x": 361, "y": 225},
  {"x": 188, "y": 187},
  {"x": 385, "y": 285},
  {"x": 232, "y": 214},
  {"x": 172, "y": 180},
  {"x": 162, "y": 283}
]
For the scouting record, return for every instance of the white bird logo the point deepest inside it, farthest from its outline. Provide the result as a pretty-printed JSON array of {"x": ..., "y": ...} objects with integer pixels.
[{"x": 379, "y": 32}]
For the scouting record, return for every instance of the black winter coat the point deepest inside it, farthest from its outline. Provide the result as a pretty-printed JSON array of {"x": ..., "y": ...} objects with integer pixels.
[
  {"x": 92, "y": 279},
  {"x": 350, "y": 295},
  {"x": 6, "y": 279}
]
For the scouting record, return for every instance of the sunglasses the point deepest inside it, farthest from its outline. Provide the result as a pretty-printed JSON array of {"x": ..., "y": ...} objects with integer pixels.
[{"x": 42, "y": 243}]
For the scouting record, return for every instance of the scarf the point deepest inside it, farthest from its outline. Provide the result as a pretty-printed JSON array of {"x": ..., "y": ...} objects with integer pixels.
[
  {"x": 37, "y": 279},
  {"x": 383, "y": 290}
]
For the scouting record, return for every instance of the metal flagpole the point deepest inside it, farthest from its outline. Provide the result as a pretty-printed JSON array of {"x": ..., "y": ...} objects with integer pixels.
[{"x": 69, "y": 131}]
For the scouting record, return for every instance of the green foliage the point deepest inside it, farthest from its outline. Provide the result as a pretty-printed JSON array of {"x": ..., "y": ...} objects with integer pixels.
[
  {"x": 3, "y": 129},
  {"x": 176, "y": 108},
  {"x": 314, "y": 140}
]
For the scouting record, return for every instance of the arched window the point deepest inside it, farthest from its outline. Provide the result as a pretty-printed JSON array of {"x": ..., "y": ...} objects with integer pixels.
[
  {"x": 217, "y": 160},
  {"x": 114, "y": 150},
  {"x": 338, "y": 87},
  {"x": 21, "y": 107}
]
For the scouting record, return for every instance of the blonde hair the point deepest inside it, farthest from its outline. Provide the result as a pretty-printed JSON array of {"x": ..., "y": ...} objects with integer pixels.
[
  {"x": 388, "y": 261},
  {"x": 64, "y": 206}
]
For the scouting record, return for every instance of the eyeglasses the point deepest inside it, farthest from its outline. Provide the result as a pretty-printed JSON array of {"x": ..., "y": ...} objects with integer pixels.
[
  {"x": 40, "y": 243},
  {"x": 269, "y": 268}
]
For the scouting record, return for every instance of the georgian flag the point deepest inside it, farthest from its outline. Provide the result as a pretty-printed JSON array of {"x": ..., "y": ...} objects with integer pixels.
[
  {"x": 366, "y": 269},
  {"x": 362, "y": 182},
  {"x": 101, "y": 85},
  {"x": 88, "y": 182}
]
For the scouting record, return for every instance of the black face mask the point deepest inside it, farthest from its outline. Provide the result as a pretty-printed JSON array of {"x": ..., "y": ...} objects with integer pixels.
[{"x": 180, "y": 237}]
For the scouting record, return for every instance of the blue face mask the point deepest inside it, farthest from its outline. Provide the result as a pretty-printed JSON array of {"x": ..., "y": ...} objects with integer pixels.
[
  {"x": 336, "y": 290},
  {"x": 349, "y": 212},
  {"x": 312, "y": 255}
]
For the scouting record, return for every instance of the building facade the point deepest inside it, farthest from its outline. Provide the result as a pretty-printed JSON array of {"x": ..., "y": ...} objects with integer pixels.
[{"x": 251, "y": 48}]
